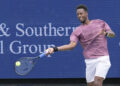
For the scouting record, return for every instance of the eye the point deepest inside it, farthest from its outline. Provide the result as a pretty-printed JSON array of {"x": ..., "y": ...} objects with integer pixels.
[{"x": 79, "y": 13}]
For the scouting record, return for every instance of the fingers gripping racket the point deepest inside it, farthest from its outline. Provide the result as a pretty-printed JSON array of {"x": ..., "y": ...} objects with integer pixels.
[{"x": 25, "y": 64}]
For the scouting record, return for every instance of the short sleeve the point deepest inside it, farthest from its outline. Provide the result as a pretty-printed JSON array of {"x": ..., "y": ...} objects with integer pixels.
[
  {"x": 74, "y": 37},
  {"x": 107, "y": 27}
]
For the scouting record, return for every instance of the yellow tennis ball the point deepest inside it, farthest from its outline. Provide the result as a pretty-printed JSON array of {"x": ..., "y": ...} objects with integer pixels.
[{"x": 17, "y": 63}]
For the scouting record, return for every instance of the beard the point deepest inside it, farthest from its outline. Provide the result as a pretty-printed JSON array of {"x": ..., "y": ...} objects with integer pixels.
[{"x": 83, "y": 21}]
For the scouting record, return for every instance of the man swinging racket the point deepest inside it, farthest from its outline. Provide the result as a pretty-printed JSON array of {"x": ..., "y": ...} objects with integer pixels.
[{"x": 92, "y": 35}]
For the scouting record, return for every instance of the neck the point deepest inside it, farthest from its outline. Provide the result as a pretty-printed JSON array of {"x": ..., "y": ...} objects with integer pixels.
[{"x": 86, "y": 22}]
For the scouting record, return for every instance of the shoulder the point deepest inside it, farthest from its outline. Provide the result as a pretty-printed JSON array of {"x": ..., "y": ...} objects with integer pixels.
[
  {"x": 98, "y": 21},
  {"x": 78, "y": 29}
]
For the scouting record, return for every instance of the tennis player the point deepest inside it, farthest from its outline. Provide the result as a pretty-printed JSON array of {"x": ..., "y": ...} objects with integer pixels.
[{"x": 92, "y": 36}]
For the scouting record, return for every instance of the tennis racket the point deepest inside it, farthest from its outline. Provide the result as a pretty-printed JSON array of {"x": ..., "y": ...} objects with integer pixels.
[{"x": 25, "y": 64}]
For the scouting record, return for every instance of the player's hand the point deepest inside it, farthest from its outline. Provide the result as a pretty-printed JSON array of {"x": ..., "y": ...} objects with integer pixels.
[
  {"x": 110, "y": 34},
  {"x": 49, "y": 51}
]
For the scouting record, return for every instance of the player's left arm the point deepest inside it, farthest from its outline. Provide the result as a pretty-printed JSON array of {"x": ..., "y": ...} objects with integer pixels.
[{"x": 108, "y": 32}]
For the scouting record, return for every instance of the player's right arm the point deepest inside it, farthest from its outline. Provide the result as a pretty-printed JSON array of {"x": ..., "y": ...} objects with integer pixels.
[
  {"x": 69, "y": 46},
  {"x": 74, "y": 38}
]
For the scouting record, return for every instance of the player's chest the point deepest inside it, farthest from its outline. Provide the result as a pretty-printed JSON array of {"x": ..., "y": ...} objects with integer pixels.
[{"x": 90, "y": 31}]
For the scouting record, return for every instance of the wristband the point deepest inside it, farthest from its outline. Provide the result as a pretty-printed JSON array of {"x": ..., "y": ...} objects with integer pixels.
[
  {"x": 55, "y": 49},
  {"x": 106, "y": 34}
]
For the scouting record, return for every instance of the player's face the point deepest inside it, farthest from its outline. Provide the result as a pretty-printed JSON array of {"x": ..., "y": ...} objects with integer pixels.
[{"x": 82, "y": 15}]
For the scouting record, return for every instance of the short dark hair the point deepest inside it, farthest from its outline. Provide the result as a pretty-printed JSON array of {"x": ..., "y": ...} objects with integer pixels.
[{"x": 82, "y": 7}]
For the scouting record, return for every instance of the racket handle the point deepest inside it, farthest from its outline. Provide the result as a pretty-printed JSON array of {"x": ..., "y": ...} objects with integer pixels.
[{"x": 42, "y": 55}]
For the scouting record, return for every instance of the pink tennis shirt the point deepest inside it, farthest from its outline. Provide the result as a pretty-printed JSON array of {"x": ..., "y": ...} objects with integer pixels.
[{"x": 93, "y": 43}]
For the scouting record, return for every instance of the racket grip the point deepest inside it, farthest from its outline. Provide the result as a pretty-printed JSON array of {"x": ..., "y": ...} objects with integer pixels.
[{"x": 42, "y": 55}]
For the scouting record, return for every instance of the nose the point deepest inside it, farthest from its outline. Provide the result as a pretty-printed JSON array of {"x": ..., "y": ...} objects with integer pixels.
[{"x": 79, "y": 15}]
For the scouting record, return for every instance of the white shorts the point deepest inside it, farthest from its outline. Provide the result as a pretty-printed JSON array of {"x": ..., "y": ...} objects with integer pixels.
[{"x": 97, "y": 67}]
